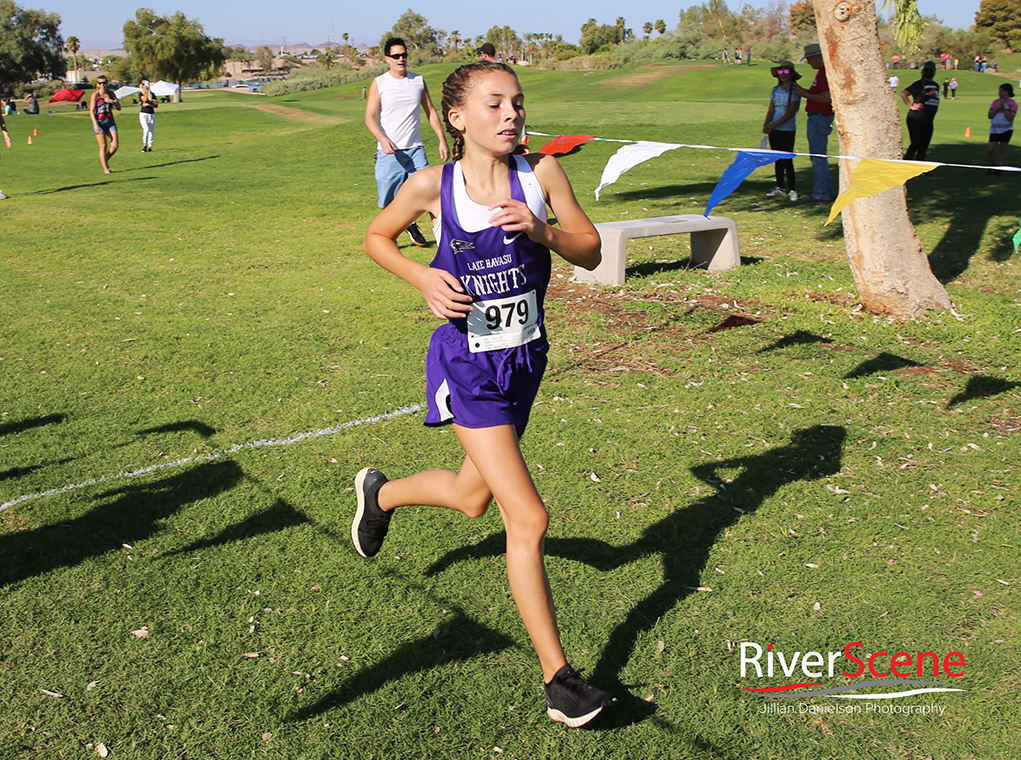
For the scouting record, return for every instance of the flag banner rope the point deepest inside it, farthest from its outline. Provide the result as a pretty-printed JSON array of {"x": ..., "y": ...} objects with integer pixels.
[{"x": 869, "y": 177}]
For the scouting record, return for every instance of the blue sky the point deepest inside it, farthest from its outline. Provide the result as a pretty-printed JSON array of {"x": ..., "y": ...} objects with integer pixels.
[{"x": 98, "y": 25}]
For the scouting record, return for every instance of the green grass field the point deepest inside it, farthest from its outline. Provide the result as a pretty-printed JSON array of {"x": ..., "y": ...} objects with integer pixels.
[{"x": 176, "y": 573}]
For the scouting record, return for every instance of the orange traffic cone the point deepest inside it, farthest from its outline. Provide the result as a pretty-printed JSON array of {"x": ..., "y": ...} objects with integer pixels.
[
  {"x": 967, "y": 132},
  {"x": 35, "y": 132},
  {"x": 30, "y": 139}
]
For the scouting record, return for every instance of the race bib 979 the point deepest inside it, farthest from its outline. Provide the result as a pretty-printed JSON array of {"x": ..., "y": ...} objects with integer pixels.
[{"x": 503, "y": 323}]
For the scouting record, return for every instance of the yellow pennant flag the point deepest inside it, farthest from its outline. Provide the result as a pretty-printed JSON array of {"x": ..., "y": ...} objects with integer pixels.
[{"x": 872, "y": 176}]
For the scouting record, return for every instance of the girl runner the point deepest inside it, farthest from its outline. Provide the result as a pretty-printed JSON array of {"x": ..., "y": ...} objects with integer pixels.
[
  {"x": 101, "y": 107},
  {"x": 483, "y": 369}
]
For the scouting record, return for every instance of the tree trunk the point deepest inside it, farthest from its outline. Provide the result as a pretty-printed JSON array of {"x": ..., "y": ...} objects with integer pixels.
[{"x": 889, "y": 267}]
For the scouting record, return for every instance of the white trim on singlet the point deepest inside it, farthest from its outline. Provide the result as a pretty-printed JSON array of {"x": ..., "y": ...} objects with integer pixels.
[{"x": 474, "y": 217}]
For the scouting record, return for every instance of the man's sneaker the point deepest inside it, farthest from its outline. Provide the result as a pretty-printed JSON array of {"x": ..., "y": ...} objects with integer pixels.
[
  {"x": 794, "y": 195},
  {"x": 371, "y": 523},
  {"x": 572, "y": 701},
  {"x": 2, "y": 196},
  {"x": 416, "y": 236},
  {"x": 775, "y": 192}
]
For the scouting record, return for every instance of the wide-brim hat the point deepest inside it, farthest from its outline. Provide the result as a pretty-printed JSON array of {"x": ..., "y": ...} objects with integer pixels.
[
  {"x": 795, "y": 76},
  {"x": 811, "y": 49}
]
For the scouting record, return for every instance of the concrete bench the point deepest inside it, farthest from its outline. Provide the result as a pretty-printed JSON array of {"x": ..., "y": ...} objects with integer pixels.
[{"x": 713, "y": 244}]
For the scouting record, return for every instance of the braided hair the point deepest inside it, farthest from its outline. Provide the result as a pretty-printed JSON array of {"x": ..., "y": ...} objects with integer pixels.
[{"x": 455, "y": 94}]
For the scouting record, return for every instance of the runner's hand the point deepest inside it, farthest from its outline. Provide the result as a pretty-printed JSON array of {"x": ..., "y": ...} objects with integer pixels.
[{"x": 444, "y": 294}]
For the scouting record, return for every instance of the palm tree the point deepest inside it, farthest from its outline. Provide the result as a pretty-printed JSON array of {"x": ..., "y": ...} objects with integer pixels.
[
  {"x": 647, "y": 28},
  {"x": 325, "y": 59},
  {"x": 455, "y": 38},
  {"x": 73, "y": 45}
]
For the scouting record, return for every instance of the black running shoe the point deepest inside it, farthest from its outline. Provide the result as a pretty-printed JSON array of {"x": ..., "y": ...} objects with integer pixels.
[
  {"x": 572, "y": 701},
  {"x": 371, "y": 523},
  {"x": 416, "y": 236}
]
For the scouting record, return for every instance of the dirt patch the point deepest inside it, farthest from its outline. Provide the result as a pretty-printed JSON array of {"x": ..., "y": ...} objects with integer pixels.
[
  {"x": 1006, "y": 425},
  {"x": 297, "y": 114},
  {"x": 837, "y": 299},
  {"x": 625, "y": 340},
  {"x": 650, "y": 74}
]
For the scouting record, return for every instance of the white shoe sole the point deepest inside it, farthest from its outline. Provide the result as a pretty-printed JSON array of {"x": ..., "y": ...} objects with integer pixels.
[
  {"x": 359, "y": 482},
  {"x": 559, "y": 717}
]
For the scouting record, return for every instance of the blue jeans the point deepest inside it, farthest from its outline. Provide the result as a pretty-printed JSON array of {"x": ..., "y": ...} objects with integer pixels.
[
  {"x": 393, "y": 169},
  {"x": 818, "y": 131}
]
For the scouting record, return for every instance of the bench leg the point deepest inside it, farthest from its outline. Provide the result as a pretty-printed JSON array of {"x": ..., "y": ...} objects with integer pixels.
[
  {"x": 715, "y": 250},
  {"x": 611, "y": 269}
]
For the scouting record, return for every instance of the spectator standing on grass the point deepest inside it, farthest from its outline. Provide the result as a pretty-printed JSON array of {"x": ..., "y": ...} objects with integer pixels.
[
  {"x": 894, "y": 81},
  {"x": 487, "y": 52},
  {"x": 946, "y": 88},
  {"x": 7, "y": 142},
  {"x": 102, "y": 104},
  {"x": 953, "y": 88},
  {"x": 819, "y": 110},
  {"x": 780, "y": 126},
  {"x": 392, "y": 116},
  {"x": 1002, "y": 112},
  {"x": 921, "y": 112},
  {"x": 486, "y": 361},
  {"x": 147, "y": 115}
]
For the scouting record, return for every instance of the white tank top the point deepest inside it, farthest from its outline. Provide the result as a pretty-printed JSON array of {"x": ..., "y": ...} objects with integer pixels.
[
  {"x": 399, "y": 104},
  {"x": 475, "y": 217}
]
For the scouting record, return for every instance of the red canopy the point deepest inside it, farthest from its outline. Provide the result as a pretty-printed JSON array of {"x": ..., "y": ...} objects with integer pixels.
[{"x": 71, "y": 96}]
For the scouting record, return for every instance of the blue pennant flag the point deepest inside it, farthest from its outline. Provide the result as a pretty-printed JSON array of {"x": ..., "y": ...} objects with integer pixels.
[{"x": 743, "y": 165}]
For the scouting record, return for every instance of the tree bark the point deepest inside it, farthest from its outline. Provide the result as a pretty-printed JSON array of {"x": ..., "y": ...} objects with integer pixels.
[{"x": 889, "y": 267}]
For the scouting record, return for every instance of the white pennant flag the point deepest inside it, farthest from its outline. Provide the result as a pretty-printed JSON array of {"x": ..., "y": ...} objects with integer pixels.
[{"x": 630, "y": 156}]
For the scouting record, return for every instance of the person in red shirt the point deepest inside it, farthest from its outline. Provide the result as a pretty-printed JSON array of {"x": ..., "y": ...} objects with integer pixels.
[{"x": 819, "y": 109}]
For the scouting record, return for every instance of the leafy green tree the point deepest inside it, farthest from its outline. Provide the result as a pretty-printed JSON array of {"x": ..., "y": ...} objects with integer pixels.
[
  {"x": 802, "y": 16},
  {"x": 660, "y": 27},
  {"x": 414, "y": 29},
  {"x": 264, "y": 57},
  {"x": 595, "y": 36},
  {"x": 30, "y": 45},
  {"x": 504, "y": 38},
  {"x": 174, "y": 48},
  {"x": 1001, "y": 18}
]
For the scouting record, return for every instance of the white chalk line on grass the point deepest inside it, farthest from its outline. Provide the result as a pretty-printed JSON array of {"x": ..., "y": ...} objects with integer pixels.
[{"x": 221, "y": 454}]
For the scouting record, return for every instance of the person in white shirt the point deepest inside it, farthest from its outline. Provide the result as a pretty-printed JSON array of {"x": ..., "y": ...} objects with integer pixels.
[
  {"x": 392, "y": 116},
  {"x": 894, "y": 81}
]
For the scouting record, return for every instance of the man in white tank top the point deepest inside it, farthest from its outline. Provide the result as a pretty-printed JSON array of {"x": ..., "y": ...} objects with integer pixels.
[{"x": 392, "y": 116}]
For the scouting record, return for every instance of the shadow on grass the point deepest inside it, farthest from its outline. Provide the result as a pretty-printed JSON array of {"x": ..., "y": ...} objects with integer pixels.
[
  {"x": 980, "y": 386},
  {"x": 17, "y": 472},
  {"x": 85, "y": 186},
  {"x": 278, "y": 517},
  {"x": 884, "y": 362},
  {"x": 798, "y": 338},
  {"x": 176, "y": 427},
  {"x": 125, "y": 515},
  {"x": 12, "y": 428},
  {"x": 683, "y": 540},
  {"x": 463, "y": 639},
  {"x": 650, "y": 268},
  {"x": 168, "y": 163}
]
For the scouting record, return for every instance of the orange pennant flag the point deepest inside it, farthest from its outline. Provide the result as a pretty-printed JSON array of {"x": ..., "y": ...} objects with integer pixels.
[
  {"x": 872, "y": 176},
  {"x": 564, "y": 144}
]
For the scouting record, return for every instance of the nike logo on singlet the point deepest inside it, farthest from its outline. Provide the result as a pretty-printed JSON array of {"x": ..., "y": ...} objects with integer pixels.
[{"x": 508, "y": 239}]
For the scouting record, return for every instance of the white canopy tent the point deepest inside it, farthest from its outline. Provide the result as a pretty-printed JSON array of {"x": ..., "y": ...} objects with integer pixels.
[
  {"x": 162, "y": 88},
  {"x": 126, "y": 91}
]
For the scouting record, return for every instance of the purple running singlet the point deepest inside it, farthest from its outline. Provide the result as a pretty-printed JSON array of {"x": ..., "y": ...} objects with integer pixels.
[{"x": 484, "y": 370}]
